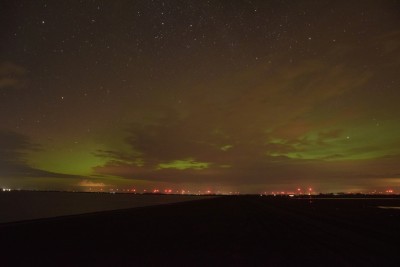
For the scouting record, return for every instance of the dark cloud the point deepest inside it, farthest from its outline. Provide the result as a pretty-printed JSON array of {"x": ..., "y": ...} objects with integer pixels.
[
  {"x": 13, "y": 165},
  {"x": 323, "y": 160},
  {"x": 264, "y": 93}
]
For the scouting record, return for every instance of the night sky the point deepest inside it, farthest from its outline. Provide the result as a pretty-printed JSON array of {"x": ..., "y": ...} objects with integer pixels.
[{"x": 246, "y": 96}]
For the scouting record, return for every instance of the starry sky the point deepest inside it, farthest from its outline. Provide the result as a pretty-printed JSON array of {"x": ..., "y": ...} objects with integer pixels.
[{"x": 236, "y": 95}]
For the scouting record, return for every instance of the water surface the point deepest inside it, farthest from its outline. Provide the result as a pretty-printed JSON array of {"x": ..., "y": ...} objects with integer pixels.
[{"x": 27, "y": 205}]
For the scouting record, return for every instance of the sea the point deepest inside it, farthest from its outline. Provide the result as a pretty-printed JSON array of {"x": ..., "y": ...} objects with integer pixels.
[{"x": 18, "y": 206}]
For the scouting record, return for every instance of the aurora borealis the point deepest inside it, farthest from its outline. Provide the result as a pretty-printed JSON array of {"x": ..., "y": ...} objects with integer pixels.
[{"x": 246, "y": 96}]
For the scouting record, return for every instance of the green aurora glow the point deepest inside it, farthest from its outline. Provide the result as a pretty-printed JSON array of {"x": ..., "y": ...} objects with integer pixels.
[{"x": 208, "y": 96}]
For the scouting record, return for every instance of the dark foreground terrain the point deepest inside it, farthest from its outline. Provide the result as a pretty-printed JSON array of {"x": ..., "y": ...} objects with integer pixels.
[{"x": 225, "y": 231}]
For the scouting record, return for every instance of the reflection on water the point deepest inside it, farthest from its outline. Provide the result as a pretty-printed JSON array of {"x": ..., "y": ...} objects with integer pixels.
[{"x": 388, "y": 207}]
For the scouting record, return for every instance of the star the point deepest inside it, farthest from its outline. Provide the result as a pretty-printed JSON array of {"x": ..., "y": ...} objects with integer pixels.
[{"x": 280, "y": 88}]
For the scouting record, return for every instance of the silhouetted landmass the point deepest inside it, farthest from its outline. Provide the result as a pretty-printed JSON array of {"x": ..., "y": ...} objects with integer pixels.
[{"x": 223, "y": 231}]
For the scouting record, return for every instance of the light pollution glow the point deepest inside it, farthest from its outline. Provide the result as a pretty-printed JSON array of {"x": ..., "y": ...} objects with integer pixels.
[{"x": 306, "y": 95}]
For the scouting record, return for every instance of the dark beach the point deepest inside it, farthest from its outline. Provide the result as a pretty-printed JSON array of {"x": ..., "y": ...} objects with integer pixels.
[{"x": 223, "y": 231}]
